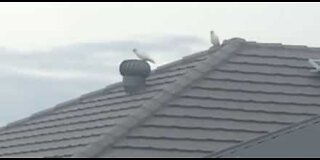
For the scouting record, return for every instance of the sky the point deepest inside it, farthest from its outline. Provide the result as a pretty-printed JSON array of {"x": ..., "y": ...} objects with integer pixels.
[{"x": 53, "y": 52}]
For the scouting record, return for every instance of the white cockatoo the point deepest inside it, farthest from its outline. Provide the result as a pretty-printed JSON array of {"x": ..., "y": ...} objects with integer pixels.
[
  {"x": 214, "y": 39},
  {"x": 143, "y": 56}
]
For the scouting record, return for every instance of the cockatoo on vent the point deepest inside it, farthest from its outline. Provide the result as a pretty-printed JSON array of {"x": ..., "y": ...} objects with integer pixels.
[
  {"x": 214, "y": 39},
  {"x": 143, "y": 56}
]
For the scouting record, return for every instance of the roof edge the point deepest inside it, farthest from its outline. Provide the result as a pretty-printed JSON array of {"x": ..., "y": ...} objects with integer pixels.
[
  {"x": 60, "y": 105},
  {"x": 218, "y": 55},
  {"x": 183, "y": 59}
]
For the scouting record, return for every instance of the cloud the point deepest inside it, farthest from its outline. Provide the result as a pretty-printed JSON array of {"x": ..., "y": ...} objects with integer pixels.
[{"x": 35, "y": 80}]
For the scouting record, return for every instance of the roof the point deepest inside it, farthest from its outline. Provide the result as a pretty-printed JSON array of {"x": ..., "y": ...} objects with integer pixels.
[{"x": 208, "y": 104}]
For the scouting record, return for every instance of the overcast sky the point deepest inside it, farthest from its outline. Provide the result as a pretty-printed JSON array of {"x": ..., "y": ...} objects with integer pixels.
[{"x": 52, "y": 52}]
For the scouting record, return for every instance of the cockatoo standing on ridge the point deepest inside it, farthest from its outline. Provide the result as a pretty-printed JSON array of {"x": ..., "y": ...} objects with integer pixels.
[
  {"x": 214, "y": 39},
  {"x": 143, "y": 56}
]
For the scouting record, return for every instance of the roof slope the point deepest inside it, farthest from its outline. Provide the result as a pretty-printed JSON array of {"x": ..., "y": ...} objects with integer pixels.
[
  {"x": 207, "y": 104},
  {"x": 258, "y": 90},
  {"x": 68, "y": 127}
]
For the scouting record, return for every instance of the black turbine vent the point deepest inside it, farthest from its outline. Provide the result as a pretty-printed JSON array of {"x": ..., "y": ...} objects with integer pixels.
[
  {"x": 134, "y": 74},
  {"x": 135, "y": 68}
]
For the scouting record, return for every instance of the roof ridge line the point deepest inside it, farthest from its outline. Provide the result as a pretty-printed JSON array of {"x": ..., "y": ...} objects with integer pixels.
[
  {"x": 261, "y": 139},
  {"x": 217, "y": 56},
  {"x": 60, "y": 105}
]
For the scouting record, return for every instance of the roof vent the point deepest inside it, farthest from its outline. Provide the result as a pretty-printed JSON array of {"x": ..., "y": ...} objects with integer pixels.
[
  {"x": 134, "y": 74},
  {"x": 316, "y": 64}
]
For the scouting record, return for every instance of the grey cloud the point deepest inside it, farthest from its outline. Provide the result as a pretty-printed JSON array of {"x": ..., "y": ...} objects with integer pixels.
[
  {"x": 95, "y": 57},
  {"x": 37, "y": 80},
  {"x": 163, "y": 43}
]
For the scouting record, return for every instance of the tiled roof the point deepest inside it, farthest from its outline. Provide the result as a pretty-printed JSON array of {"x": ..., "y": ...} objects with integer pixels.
[{"x": 205, "y": 105}]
